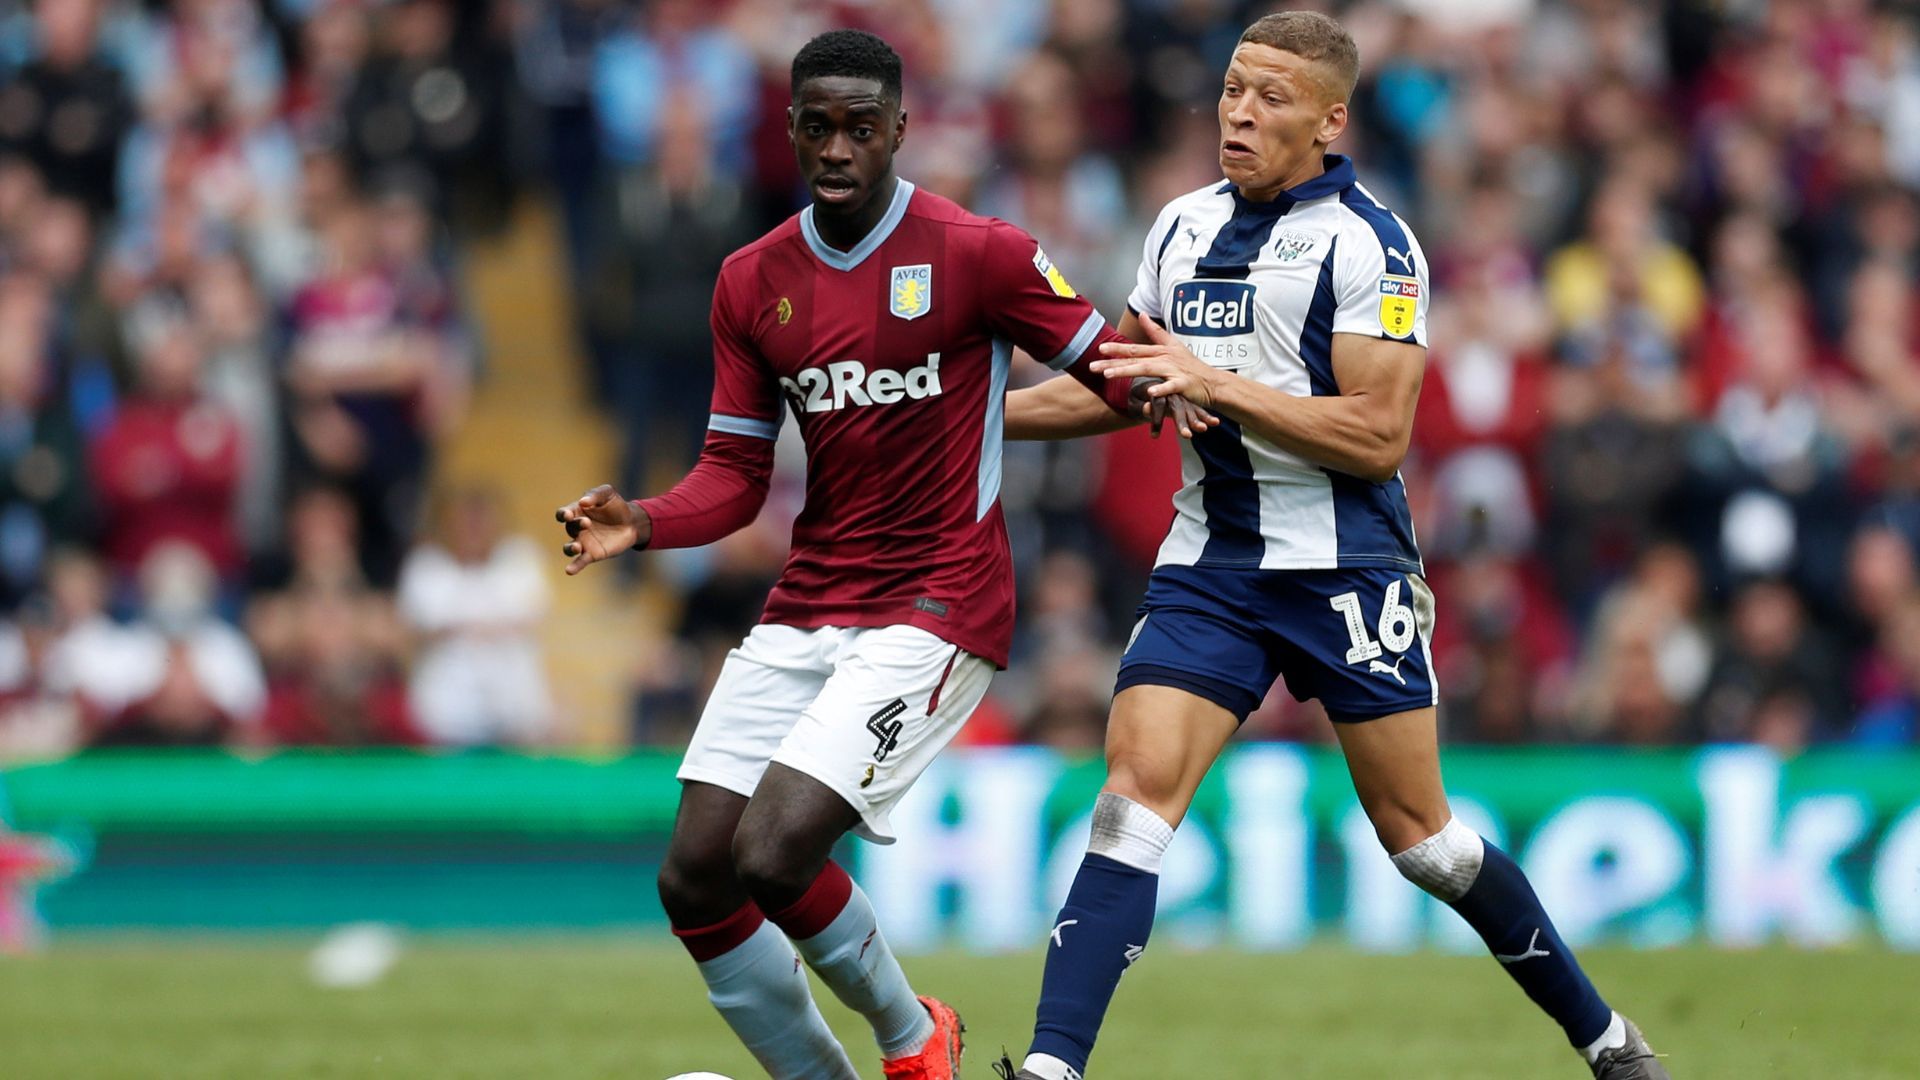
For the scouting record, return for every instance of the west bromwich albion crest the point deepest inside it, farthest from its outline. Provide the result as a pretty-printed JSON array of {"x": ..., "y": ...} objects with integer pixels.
[
  {"x": 912, "y": 293},
  {"x": 1291, "y": 244}
]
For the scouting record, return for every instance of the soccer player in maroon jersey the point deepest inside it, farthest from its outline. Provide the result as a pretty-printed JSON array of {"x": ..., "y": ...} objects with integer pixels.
[{"x": 883, "y": 318}]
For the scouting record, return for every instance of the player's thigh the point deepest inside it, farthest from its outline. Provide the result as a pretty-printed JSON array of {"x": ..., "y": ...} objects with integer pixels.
[
  {"x": 1161, "y": 740},
  {"x": 898, "y": 695},
  {"x": 1395, "y": 764},
  {"x": 764, "y": 686},
  {"x": 1357, "y": 640},
  {"x": 1197, "y": 663}
]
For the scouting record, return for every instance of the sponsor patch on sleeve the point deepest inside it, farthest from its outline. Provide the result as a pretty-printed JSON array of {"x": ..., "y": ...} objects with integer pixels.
[
  {"x": 1399, "y": 302},
  {"x": 1053, "y": 275}
]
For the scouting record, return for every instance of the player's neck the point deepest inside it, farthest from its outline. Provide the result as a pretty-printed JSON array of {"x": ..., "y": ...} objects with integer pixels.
[
  {"x": 843, "y": 232},
  {"x": 1315, "y": 165}
]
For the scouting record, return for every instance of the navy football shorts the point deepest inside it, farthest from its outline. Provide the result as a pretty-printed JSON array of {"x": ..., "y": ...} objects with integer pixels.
[{"x": 1355, "y": 638}]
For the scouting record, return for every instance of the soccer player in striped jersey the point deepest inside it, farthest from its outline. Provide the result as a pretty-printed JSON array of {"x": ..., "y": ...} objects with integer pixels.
[{"x": 1291, "y": 306}]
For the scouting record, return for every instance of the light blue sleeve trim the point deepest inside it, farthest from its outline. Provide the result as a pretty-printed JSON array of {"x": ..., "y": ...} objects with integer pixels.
[
  {"x": 741, "y": 425},
  {"x": 1088, "y": 331}
]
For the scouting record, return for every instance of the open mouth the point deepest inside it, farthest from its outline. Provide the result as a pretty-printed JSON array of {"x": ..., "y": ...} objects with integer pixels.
[
  {"x": 1236, "y": 148},
  {"x": 834, "y": 186}
]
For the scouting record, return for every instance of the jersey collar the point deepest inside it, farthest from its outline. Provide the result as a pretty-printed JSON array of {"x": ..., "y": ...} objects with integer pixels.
[
  {"x": 847, "y": 260},
  {"x": 1338, "y": 177}
]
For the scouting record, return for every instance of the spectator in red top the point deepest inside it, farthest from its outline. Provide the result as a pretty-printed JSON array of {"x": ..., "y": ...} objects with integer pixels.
[
  {"x": 363, "y": 378},
  {"x": 331, "y": 646},
  {"x": 167, "y": 465}
]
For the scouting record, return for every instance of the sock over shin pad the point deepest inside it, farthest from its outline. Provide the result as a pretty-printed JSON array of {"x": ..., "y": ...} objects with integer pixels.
[
  {"x": 755, "y": 981},
  {"x": 1488, "y": 889},
  {"x": 1102, "y": 929},
  {"x": 834, "y": 928}
]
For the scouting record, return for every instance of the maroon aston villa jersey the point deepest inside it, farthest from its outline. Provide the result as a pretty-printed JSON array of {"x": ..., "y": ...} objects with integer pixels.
[{"x": 892, "y": 359}]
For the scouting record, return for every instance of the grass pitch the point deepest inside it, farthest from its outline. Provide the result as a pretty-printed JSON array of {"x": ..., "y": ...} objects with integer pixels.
[{"x": 627, "y": 1007}]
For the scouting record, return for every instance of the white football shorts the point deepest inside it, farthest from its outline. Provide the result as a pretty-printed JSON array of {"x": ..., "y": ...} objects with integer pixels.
[{"x": 864, "y": 710}]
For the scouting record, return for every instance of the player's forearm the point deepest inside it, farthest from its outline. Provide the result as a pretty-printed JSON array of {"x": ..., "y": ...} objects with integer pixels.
[
  {"x": 1349, "y": 433},
  {"x": 1060, "y": 409},
  {"x": 1116, "y": 394},
  {"x": 722, "y": 495}
]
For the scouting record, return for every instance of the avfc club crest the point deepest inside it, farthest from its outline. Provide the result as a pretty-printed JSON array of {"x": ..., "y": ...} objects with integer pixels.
[{"x": 911, "y": 294}]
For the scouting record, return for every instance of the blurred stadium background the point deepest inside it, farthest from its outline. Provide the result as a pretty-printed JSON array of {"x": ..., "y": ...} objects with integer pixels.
[{"x": 312, "y": 310}]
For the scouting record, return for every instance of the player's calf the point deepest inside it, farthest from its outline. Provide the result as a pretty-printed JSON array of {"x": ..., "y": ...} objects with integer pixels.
[
  {"x": 1100, "y": 933},
  {"x": 833, "y": 927},
  {"x": 781, "y": 854},
  {"x": 1488, "y": 889},
  {"x": 755, "y": 981},
  {"x": 749, "y": 967}
]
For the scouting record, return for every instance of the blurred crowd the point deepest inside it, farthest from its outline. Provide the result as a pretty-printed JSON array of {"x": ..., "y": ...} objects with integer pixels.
[
  {"x": 1666, "y": 467},
  {"x": 231, "y": 335}
]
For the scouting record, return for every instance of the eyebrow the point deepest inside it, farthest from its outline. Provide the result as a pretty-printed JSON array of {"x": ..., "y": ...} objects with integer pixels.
[{"x": 861, "y": 110}]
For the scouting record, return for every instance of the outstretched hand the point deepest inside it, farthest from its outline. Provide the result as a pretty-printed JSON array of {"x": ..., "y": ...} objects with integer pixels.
[
  {"x": 600, "y": 525},
  {"x": 1163, "y": 358}
]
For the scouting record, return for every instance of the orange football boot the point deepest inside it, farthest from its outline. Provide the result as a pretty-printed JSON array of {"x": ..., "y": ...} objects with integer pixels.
[{"x": 940, "y": 1058}]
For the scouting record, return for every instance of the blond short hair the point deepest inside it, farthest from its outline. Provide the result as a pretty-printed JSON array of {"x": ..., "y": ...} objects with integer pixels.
[{"x": 1312, "y": 36}]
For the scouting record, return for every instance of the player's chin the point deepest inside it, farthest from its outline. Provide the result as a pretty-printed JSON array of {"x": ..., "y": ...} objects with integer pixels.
[{"x": 1238, "y": 161}]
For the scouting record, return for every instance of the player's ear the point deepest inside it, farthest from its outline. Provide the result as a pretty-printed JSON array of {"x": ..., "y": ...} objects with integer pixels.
[
  {"x": 899, "y": 130},
  {"x": 1334, "y": 123}
]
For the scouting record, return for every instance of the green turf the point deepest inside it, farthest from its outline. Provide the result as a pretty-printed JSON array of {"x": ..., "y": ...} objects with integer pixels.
[{"x": 617, "y": 1006}]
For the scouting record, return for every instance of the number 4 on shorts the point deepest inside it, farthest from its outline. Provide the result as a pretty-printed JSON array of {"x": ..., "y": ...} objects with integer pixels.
[{"x": 886, "y": 726}]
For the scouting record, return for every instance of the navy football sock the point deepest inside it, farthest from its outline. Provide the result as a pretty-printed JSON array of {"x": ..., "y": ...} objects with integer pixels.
[
  {"x": 1502, "y": 907},
  {"x": 1100, "y": 932}
]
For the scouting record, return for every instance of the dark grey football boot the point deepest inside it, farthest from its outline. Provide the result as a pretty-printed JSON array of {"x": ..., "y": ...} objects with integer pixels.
[
  {"x": 1634, "y": 1061},
  {"x": 1005, "y": 1070}
]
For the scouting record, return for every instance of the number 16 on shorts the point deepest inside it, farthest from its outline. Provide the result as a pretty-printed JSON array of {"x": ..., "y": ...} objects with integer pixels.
[
  {"x": 1397, "y": 624},
  {"x": 1381, "y": 638}
]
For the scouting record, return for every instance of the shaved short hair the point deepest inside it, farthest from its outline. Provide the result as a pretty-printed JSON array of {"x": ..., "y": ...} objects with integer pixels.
[{"x": 1312, "y": 36}]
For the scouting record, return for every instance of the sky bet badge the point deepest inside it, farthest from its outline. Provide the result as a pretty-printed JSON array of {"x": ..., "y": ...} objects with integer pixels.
[
  {"x": 1055, "y": 279},
  {"x": 912, "y": 290},
  {"x": 1399, "y": 299}
]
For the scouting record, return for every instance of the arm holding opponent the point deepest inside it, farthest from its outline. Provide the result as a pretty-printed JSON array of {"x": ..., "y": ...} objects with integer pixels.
[
  {"x": 1362, "y": 431},
  {"x": 1061, "y": 409}
]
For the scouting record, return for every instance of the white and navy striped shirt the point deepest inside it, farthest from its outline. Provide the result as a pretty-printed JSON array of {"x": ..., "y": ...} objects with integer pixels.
[{"x": 1260, "y": 289}]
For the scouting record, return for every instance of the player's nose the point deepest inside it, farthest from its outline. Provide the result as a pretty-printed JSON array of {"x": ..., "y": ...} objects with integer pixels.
[{"x": 837, "y": 150}]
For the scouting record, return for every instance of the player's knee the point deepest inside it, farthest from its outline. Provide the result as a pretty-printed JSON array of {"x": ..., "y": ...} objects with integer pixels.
[
  {"x": 697, "y": 891},
  {"x": 770, "y": 868},
  {"x": 1445, "y": 863},
  {"x": 1154, "y": 784},
  {"x": 1401, "y": 824}
]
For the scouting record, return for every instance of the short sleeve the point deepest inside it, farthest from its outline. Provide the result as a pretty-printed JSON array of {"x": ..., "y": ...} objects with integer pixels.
[
  {"x": 1380, "y": 281},
  {"x": 1026, "y": 300},
  {"x": 1145, "y": 298},
  {"x": 746, "y": 397}
]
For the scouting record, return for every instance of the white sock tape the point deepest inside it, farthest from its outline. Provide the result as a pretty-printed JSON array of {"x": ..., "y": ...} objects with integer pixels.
[
  {"x": 1129, "y": 833},
  {"x": 1446, "y": 863}
]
